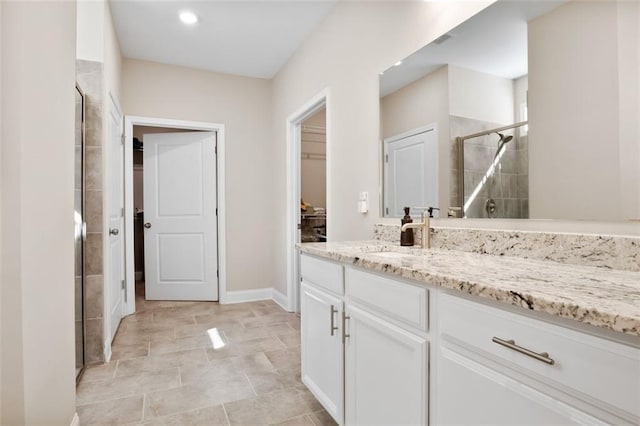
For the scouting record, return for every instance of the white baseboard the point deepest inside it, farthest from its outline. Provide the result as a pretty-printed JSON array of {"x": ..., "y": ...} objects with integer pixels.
[
  {"x": 242, "y": 296},
  {"x": 280, "y": 299},
  {"x": 76, "y": 420}
]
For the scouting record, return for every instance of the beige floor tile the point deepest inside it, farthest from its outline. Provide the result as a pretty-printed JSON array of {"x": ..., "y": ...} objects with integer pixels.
[
  {"x": 322, "y": 418},
  {"x": 226, "y": 368},
  {"x": 90, "y": 392},
  {"x": 241, "y": 333},
  {"x": 267, "y": 320},
  {"x": 130, "y": 337},
  {"x": 210, "y": 416},
  {"x": 296, "y": 421},
  {"x": 180, "y": 344},
  {"x": 202, "y": 327},
  {"x": 113, "y": 412},
  {"x": 268, "y": 382},
  {"x": 272, "y": 407},
  {"x": 290, "y": 340},
  {"x": 285, "y": 358},
  {"x": 267, "y": 310},
  {"x": 191, "y": 397},
  {"x": 133, "y": 366},
  {"x": 135, "y": 350},
  {"x": 246, "y": 347},
  {"x": 97, "y": 373}
]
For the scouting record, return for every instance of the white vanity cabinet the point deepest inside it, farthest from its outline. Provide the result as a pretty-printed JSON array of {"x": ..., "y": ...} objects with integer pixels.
[
  {"x": 321, "y": 333},
  {"x": 370, "y": 355},
  {"x": 510, "y": 369},
  {"x": 386, "y": 351},
  {"x": 364, "y": 345}
]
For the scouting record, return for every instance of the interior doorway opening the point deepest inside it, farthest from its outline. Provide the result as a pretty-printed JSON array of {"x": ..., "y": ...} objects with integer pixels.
[
  {"x": 313, "y": 178},
  {"x": 310, "y": 118},
  {"x": 158, "y": 130}
]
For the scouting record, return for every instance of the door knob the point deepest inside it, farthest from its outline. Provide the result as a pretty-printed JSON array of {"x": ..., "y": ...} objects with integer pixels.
[
  {"x": 147, "y": 225},
  {"x": 113, "y": 231}
]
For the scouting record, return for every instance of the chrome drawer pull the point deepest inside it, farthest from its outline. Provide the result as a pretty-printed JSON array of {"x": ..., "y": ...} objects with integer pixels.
[
  {"x": 333, "y": 327},
  {"x": 511, "y": 344},
  {"x": 345, "y": 317}
]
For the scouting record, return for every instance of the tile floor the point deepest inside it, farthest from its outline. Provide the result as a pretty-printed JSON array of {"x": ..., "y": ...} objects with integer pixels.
[{"x": 191, "y": 363}]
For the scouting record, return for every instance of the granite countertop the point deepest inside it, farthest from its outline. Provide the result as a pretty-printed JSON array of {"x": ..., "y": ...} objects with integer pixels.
[{"x": 601, "y": 297}]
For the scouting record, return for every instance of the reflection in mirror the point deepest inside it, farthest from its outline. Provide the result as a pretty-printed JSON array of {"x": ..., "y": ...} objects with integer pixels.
[{"x": 527, "y": 110}]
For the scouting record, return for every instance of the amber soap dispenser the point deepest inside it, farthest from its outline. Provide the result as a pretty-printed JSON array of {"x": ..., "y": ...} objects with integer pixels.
[{"x": 406, "y": 237}]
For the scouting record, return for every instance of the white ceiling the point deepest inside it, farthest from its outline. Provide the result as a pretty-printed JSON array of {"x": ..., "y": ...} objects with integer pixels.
[
  {"x": 249, "y": 38},
  {"x": 493, "y": 41}
]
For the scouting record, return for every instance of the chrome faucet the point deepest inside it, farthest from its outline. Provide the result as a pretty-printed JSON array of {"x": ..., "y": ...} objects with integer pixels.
[{"x": 425, "y": 225}]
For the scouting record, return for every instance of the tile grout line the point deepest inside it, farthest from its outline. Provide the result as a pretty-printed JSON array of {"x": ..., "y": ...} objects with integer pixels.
[
  {"x": 144, "y": 402},
  {"x": 179, "y": 377},
  {"x": 115, "y": 370},
  {"x": 250, "y": 384},
  {"x": 226, "y": 416}
]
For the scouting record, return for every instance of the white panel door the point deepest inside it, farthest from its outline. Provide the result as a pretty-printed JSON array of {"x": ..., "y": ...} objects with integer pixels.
[
  {"x": 386, "y": 373},
  {"x": 410, "y": 171},
  {"x": 180, "y": 236},
  {"x": 322, "y": 354},
  {"x": 116, "y": 290}
]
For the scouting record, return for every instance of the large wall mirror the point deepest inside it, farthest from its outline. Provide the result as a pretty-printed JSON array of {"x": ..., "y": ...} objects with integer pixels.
[{"x": 530, "y": 109}]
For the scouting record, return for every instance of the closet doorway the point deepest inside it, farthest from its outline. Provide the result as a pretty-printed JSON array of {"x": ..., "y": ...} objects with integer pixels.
[
  {"x": 174, "y": 173},
  {"x": 313, "y": 178},
  {"x": 308, "y": 153}
]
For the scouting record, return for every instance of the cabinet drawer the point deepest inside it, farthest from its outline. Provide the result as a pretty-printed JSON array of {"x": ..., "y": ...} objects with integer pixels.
[
  {"x": 322, "y": 273},
  {"x": 400, "y": 301},
  {"x": 589, "y": 368}
]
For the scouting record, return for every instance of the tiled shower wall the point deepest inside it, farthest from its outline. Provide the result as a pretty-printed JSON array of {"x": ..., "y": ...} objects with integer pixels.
[
  {"x": 508, "y": 187},
  {"x": 89, "y": 77}
]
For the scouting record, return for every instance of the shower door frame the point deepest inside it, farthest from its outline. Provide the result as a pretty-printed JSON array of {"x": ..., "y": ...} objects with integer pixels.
[{"x": 83, "y": 237}]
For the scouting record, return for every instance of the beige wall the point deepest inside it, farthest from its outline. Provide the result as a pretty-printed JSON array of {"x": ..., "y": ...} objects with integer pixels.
[
  {"x": 481, "y": 96},
  {"x": 242, "y": 104},
  {"x": 345, "y": 55},
  {"x": 423, "y": 102},
  {"x": 580, "y": 112},
  {"x": 38, "y": 79}
]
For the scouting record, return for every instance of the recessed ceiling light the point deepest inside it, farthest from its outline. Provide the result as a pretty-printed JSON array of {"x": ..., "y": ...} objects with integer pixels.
[
  {"x": 397, "y": 64},
  {"x": 188, "y": 18}
]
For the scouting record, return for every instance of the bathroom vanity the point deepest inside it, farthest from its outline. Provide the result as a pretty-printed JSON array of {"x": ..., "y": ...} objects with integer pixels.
[{"x": 394, "y": 335}]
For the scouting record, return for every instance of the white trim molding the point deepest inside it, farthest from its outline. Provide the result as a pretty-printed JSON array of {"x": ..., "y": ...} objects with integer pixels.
[
  {"x": 75, "y": 421},
  {"x": 129, "y": 122},
  {"x": 241, "y": 296},
  {"x": 294, "y": 125},
  {"x": 281, "y": 299}
]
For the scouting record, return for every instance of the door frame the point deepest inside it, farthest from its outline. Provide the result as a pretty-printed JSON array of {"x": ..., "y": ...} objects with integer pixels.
[
  {"x": 294, "y": 136},
  {"x": 129, "y": 122}
]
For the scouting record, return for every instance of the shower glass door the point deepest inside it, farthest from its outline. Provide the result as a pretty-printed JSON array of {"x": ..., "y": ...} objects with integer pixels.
[{"x": 79, "y": 231}]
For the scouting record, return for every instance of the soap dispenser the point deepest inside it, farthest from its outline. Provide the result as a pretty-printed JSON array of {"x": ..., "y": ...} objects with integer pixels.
[{"x": 406, "y": 237}]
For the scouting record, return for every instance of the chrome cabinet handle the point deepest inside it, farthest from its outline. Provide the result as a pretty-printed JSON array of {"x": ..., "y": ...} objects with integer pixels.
[
  {"x": 147, "y": 225},
  {"x": 114, "y": 231},
  {"x": 345, "y": 317},
  {"x": 511, "y": 344},
  {"x": 333, "y": 311}
]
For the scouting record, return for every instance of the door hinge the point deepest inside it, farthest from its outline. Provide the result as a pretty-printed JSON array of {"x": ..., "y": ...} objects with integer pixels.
[
  {"x": 122, "y": 284},
  {"x": 386, "y": 210},
  {"x": 124, "y": 288},
  {"x": 386, "y": 158},
  {"x": 122, "y": 139},
  {"x": 218, "y": 273},
  {"x": 299, "y": 226},
  {"x": 216, "y": 149},
  {"x": 216, "y": 211},
  {"x": 122, "y": 211}
]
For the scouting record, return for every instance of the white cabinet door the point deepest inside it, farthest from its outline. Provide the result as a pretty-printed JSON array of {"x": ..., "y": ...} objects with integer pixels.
[
  {"x": 386, "y": 373},
  {"x": 468, "y": 392},
  {"x": 322, "y": 354}
]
